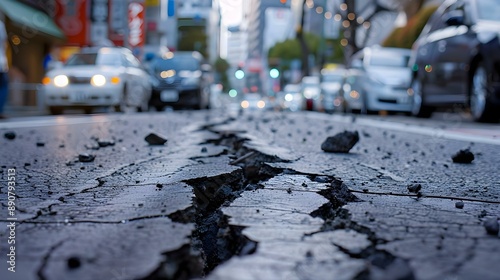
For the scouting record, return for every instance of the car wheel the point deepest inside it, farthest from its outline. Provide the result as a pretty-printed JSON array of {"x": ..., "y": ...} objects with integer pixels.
[
  {"x": 55, "y": 110},
  {"x": 418, "y": 109},
  {"x": 481, "y": 109},
  {"x": 122, "y": 106},
  {"x": 87, "y": 111},
  {"x": 144, "y": 107}
]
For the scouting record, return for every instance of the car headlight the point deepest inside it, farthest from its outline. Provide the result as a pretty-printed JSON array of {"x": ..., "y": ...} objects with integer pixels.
[
  {"x": 311, "y": 93},
  {"x": 61, "y": 80},
  {"x": 98, "y": 80}
]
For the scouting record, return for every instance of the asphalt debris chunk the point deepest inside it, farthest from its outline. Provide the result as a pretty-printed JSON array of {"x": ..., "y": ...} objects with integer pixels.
[
  {"x": 86, "y": 157},
  {"x": 341, "y": 142},
  {"x": 459, "y": 205},
  {"x": 155, "y": 139},
  {"x": 105, "y": 143},
  {"x": 74, "y": 262},
  {"x": 414, "y": 188},
  {"x": 491, "y": 226},
  {"x": 40, "y": 144},
  {"x": 11, "y": 135},
  {"x": 463, "y": 156}
]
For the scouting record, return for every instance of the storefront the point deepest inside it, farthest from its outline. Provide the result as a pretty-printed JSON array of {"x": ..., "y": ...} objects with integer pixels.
[{"x": 32, "y": 34}]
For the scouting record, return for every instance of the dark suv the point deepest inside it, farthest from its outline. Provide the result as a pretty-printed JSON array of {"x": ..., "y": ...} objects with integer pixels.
[
  {"x": 178, "y": 81},
  {"x": 456, "y": 60}
]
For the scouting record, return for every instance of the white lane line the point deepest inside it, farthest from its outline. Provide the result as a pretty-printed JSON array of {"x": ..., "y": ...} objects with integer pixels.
[
  {"x": 52, "y": 121},
  {"x": 429, "y": 131}
]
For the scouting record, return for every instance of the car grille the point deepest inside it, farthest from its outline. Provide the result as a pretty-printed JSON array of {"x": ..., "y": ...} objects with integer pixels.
[
  {"x": 169, "y": 84},
  {"x": 79, "y": 80}
]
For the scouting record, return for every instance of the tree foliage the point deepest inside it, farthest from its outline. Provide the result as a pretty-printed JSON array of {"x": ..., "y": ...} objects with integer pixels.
[{"x": 404, "y": 37}]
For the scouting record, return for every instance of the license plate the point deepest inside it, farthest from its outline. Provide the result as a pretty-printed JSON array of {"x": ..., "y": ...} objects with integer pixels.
[
  {"x": 78, "y": 97},
  {"x": 169, "y": 96}
]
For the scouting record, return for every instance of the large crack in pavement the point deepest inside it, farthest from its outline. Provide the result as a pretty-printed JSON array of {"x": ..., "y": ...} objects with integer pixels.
[{"x": 226, "y": 226}]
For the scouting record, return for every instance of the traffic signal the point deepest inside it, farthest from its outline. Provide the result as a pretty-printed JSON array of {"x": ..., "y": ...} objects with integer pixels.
[
  {"x": 239, "y": 74},
  {"x": 274, "y": 73}
]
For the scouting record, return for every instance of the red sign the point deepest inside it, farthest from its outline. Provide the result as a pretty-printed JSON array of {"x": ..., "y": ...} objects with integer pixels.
[
  {"x": 71, "y": 17},
  {"x": 136, "y": 36}
]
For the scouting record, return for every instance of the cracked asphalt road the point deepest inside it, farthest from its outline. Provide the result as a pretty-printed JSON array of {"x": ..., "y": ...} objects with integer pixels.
[{"x": 245, "y": 197}]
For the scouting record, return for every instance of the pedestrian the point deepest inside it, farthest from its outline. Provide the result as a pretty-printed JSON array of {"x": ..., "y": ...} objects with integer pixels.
[{"x": 4, "y": 68}]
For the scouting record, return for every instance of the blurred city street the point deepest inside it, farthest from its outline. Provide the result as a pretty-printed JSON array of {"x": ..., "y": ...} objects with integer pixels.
[{"x": 249, "y": 139}]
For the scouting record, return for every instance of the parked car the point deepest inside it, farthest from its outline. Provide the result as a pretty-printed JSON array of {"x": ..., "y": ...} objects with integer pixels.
[
  {"x": 353, "y": 92},
  {"x": 253, "y": 101},
  {"x": 456, "y": 60},
  {"x": 98, "y": 77},
  {"x": 386, "y": 82},
  {"x": 179, "y": 81},
  {"x": 290, "y": 99},
  {"x": 332, "y": 81},
  {"x": 311, "y": 92}
]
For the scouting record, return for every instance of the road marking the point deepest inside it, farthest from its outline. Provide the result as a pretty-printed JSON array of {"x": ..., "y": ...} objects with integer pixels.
[
  {"x": 467, "y": 135},
  {"x": 52, "y": 121}
]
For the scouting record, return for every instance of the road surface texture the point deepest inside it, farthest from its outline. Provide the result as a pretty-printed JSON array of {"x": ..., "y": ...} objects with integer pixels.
[{"x": 244, "y": 196}]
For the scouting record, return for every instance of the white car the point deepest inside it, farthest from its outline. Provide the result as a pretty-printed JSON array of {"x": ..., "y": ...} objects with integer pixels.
[
  {"x": 98, "y": 77},
  {"x": 382, "y": 82},
  {"x": 311, "y": 91}
]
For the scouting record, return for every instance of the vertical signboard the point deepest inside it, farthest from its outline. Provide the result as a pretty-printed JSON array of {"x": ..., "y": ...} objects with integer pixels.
[
  {"x": 99, "y": 19},
  {"x": 136, "y": 27},
  {"x": 117, "y": 21},
  {"x": 71, "y": 16}
]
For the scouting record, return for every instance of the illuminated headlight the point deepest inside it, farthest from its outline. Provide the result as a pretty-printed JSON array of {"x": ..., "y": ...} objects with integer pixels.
[
  {"x": 245, "y": 104},
  {"x": 288, "y": 97},
  {"x": 61, "y": 80},
  {"x": 98, "y": 80},
  {"x": 310, "y": 93},
  {"x": 261, "y": 104}
]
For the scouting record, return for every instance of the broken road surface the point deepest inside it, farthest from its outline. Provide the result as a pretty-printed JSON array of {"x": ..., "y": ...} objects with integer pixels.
[{"x": 246, "y": 197}]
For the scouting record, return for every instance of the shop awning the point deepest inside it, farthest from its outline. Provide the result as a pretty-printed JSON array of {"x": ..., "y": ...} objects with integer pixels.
[{"x": 26, "y": 16}]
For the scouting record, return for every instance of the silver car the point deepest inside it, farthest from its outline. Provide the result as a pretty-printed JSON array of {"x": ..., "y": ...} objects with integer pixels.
[
  {"x": 98, "y": 77},
  {"x": 384, "y": 83}
]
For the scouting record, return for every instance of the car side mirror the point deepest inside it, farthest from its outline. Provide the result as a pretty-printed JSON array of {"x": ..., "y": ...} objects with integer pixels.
[{"x": 454, "y": 18}]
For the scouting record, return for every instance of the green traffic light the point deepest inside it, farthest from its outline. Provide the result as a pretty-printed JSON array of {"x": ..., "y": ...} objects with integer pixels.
[
  {"x": 239, "y": 74},
  {"x": 274, "y": 73}
]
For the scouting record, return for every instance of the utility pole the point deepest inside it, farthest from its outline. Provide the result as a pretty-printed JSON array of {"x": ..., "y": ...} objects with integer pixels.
[{"x": 303, "y": 44}]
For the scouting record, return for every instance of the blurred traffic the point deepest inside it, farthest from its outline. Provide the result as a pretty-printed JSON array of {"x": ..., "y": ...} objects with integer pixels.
[{"x": 332, "y": 56}]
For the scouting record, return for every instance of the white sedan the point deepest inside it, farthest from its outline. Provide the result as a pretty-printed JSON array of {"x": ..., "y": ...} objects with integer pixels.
[{"x": 98, "y": 77}]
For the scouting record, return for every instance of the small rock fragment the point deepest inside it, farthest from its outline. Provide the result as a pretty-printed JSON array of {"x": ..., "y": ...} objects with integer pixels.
[
  {"x": 491, "y": 226},
  {"x": 74, "y": 262},
  {"x": 40, "y": 144},
  {"x": 86, "y": 157},
  {"x": 341, "y": 142},
  {"x": 155, "y": 139},
  {"x": 414, "y": 188},
  {"x": 105, "y": 143},
  {"x": 204, "y": 149},
  {"x": 463, "y": 156},
  {"x": 459, "y": 204},
  {"x": 11, "y": 135}
]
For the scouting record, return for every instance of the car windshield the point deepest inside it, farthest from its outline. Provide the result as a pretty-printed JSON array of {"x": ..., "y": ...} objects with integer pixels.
[
  {"x": 110, "y": 59},
  {"x": 176, "y": 63},
  {"x": 389, "y": 60},
  {"x": 335, "y": 78},
  {"x": 488, "y": 10}
]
